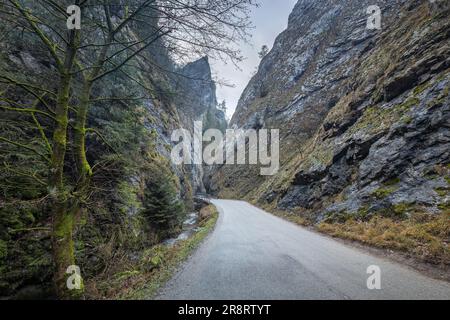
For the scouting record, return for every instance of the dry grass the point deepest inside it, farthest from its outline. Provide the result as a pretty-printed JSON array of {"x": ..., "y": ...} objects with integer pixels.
[
  {"x": 294, "y": 218},
  {"x": 423, "y": 236},
  {"x": 207, "y": 212}
]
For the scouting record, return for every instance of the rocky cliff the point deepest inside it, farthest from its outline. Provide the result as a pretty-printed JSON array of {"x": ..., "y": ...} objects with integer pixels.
[
  {"x": 363, "y": 114},
  {"x": 196, "y": 101}
]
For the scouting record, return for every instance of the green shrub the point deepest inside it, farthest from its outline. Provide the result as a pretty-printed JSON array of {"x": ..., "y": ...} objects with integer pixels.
[
  {"x": 163, "y": 207},
  {"x": 383, "y": 192}
]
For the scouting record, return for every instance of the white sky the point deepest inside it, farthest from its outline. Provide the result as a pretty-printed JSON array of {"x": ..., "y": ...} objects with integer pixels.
[{"x": 269, "y": 20}]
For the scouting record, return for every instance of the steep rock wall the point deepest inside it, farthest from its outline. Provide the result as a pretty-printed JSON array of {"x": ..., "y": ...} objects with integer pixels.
[{"x": 363, "y": 114}]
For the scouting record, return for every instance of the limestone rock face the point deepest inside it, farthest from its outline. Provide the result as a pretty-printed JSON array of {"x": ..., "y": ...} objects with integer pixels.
[
  {"x": 196, "y": 101},
  {"x": 196, "y": 82},
  {"x": 363, "y": 114}
]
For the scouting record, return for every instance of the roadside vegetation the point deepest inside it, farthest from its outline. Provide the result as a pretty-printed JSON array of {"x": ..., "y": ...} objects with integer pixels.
[
  {"x": 152, "y": 268},
  {"x": 408, "y": 230},
  {"x": 423, "y": 236}
]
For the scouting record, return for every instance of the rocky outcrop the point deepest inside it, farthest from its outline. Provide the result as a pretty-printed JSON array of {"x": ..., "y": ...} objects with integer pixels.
[
  {"x": 196, "y": 101},
  {"x": 196, "y": 89},
  {"x": 363, "y": 114}
]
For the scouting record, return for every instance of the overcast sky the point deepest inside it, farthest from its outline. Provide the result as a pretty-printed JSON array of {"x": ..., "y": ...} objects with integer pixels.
[{"x": 269, "y": 20}]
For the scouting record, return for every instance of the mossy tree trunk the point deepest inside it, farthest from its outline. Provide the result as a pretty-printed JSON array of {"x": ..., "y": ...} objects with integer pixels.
[
  {"x": 84, "y": 169},
  {"x": 63, "y": 212},
  {"x": 63, "y": 207}
]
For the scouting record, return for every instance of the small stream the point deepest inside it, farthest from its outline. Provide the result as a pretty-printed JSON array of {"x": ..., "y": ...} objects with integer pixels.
[{"x": 189, "y": 228}]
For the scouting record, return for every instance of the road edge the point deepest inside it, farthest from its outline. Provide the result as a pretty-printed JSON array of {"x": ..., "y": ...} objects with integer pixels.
[
  {"x": 182, "y": 252},
  {"x": 410, "y": 262}
]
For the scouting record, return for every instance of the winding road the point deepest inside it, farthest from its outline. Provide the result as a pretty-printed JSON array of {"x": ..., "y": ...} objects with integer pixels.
[{"x": 253, "y": 255}]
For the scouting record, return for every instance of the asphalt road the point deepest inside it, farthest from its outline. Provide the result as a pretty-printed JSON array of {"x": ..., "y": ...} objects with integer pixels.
[{"x": 252, "y": 255}]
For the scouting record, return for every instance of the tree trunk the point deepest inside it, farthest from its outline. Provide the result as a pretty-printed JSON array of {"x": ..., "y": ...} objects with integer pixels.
[
  {"x": 63, "y": 211},
  {"x": 63, "y": 220},
  {"x": 84, "y": 169},
  {"x": 63, "y": 252}
]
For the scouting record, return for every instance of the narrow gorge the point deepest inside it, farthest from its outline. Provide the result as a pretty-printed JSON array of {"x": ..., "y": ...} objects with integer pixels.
[{"x": 93, "y": 205}]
